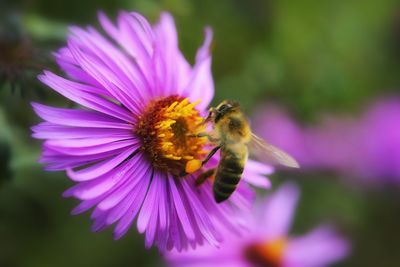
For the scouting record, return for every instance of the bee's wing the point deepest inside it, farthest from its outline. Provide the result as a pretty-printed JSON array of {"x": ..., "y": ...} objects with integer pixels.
[{"x": 269, "y": 153}]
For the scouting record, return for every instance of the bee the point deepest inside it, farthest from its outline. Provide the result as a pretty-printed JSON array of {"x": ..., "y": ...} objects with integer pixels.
[{"x": 232, "y": 135}]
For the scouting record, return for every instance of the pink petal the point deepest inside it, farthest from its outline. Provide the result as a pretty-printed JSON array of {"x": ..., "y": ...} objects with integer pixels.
[
  {"x": 279, "y": 210},
  {"x": 180, "y": 209},
  {"x": 113, "y": 82},
  {"x": 122, "y": 208},
  {"x": 77, "y": 118},
  {"x": 319, "y": 248},
  {"x": 150, "y": 204},
  {"x": 101, "y": 168},
  {"x": 106, "y": 183},
  {"x": 46, "y": 130},
  {"x": 127, "y": 219},
  {"x": 201, "y": 85},
  {"x": 73, "y": 91},
  {"x": 97, "y": 149},
  {"x": 132, "y": 179},
  {"x": 116, "y": 62}
]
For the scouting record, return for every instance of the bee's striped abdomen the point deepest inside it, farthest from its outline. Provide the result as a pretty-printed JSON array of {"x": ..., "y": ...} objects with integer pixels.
[{"x": 228, "y": 174}]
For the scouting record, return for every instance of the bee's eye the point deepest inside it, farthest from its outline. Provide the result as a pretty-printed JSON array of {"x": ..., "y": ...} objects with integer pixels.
[{"x": 224, "y": 107}]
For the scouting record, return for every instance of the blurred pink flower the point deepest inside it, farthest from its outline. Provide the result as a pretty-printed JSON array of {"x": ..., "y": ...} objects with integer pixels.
[
  {"x": 380, "y": 142},
  {"x": 367, "y": 147},
  {"x": 275, "y": 125},
  {"x": 268, "y": 243}
]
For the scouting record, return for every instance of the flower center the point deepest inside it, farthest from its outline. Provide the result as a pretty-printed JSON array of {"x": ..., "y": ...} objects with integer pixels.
[
  {"x": 269, "y": 254},
  {"x": 165, "y": 127}
]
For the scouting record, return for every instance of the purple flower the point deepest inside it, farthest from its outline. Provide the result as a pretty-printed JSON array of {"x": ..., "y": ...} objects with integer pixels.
[
  {"x": 379, "y": 154},
  {"x": 126, "y": 142},
  {"x": 315, "y": 147},
  {"x": 365, "y": 147},
  {"x": 268, "y": 242},
  {"x": 275, "y": 125}
]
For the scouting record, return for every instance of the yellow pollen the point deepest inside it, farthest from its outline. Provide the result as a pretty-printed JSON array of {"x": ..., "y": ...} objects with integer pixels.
[
  {"x": 193, "y": 165},
  {"x": 167, "y": 128}
]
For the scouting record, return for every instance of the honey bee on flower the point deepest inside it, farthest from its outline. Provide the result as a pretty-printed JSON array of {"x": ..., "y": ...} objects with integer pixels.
[
  {"x": 232, "y": 135},
  {"x": 125, "y": 144}
]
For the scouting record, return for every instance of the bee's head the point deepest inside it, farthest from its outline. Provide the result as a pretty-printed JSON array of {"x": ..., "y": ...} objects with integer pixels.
[{"x": 225, "y": 107}]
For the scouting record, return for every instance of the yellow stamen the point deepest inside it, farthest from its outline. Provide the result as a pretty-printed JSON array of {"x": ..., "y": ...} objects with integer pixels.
[
  {"x": 172, "y": 106},
  {"x": 166, "y": 128}
]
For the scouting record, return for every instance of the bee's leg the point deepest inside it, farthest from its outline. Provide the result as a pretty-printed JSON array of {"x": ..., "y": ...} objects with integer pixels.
[
  {"x": 209, "y": 156},
  {"x": 210, "y": 116},
  {"x": 204, "y": 176},
  {"x": 202, "y": 134},
  {"x": 205, "y": 134}
]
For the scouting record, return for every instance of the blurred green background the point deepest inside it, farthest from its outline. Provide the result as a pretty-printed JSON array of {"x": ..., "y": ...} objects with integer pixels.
[{"x": 310, "y": 56}]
